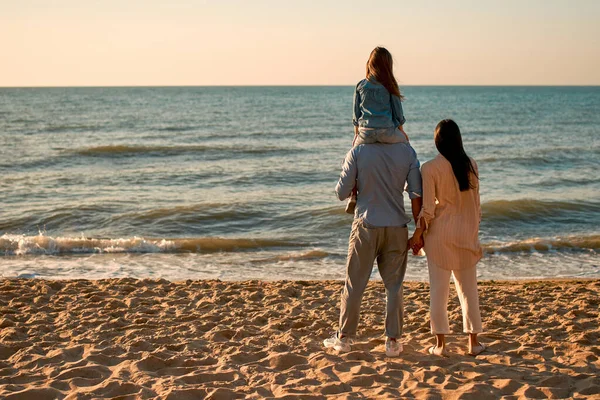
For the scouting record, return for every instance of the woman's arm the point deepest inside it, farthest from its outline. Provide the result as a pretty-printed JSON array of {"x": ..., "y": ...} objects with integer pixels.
[{"x": 477, "y": 198}]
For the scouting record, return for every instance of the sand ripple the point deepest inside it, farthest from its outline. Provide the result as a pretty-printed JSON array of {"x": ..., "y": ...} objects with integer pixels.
[{"x": 129, "y": 339}]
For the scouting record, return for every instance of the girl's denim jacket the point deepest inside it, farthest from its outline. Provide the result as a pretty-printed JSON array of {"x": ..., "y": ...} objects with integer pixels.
[
  {"x": 375, "y": 107},
  {"x": 377, "y": 114}
]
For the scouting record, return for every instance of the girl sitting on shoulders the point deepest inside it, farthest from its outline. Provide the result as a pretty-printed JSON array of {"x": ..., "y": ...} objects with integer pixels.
[{"x": 378, "y": 115}]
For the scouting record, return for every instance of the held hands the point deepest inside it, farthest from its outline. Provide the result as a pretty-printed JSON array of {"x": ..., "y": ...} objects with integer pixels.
[{"x": 416, "y": 242}]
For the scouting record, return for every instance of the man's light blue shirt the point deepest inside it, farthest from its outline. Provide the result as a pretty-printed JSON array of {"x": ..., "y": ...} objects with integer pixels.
[{"x": 383, "y": 172}]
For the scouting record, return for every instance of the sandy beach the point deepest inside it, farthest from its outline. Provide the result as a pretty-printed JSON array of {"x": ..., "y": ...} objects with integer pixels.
[{"x": 128, "y": 339}]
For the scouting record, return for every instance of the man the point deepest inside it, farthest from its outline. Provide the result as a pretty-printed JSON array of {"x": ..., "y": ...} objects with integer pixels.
[{"x": 379, "y": 232}]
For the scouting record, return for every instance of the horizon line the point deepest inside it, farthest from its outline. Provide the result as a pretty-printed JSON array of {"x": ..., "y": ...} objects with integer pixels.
[{"x": 286, "y": 85}]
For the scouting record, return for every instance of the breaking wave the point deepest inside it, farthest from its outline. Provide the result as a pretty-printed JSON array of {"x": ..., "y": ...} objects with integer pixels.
[
  {"x": 544, "y": 245},
  {"x": 114, "y": 151},
  {"x": 527, "y": 209},
  {"x": 46, "y": 245}
]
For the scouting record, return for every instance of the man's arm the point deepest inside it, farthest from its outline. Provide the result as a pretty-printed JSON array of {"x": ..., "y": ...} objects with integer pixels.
[
  {"x": 416, "y": 205},
  {"x": 348, "y": 176},
  {"x": 414, "y": 183},
  {"x": 416, "y": 242}
]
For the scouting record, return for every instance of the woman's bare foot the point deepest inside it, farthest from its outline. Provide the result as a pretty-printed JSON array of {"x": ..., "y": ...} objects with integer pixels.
[
  {"x": 475, "y": 347},
  {"x": 440, "y": 347},
  {"x": 476, "y": 350},
  {"x": 438, "y": 351}
]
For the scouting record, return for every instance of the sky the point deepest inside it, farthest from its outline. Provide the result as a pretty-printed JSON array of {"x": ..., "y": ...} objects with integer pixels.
[{"x": 293, "y": 42}]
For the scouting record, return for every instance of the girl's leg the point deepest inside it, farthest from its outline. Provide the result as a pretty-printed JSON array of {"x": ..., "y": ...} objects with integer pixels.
[
  {"x": 351, "y": 204},
  {"x": 439, "y": 283},
  {"x": 383, "y": 135},
  {"x": 466, "y": 287}
]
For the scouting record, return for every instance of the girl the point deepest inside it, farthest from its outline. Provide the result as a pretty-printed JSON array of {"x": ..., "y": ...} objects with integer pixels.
[
  {"x": 450, "y": 219},
  {"x": 378, "y": 115}
]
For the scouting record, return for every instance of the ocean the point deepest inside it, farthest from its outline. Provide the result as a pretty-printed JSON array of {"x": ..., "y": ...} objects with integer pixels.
[{"x": 237, "y": 183}]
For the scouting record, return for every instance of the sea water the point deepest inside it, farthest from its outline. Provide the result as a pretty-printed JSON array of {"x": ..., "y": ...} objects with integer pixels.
[{"x": 238, "y": 182}]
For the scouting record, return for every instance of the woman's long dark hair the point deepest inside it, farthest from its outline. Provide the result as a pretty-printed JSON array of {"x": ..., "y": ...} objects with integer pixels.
[{"x": 449, "y": 143}]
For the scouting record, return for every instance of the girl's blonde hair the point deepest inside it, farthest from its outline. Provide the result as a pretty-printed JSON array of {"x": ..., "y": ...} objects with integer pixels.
[{"x": 381, "y": 68}]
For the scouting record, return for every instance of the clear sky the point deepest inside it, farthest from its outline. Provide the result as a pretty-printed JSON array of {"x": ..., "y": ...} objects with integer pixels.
[{"x": 294, "y": 42}]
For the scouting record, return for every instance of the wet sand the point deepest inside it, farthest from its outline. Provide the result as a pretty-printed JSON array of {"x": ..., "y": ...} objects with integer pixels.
[{"x": 128, "y": 338}]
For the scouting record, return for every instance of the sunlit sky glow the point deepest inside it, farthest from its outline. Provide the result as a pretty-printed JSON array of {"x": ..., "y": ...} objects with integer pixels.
[{"x": 281, "y": 42}]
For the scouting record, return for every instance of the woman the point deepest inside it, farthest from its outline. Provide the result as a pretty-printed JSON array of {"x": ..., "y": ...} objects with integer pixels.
[{"x": 450, "y": 220}]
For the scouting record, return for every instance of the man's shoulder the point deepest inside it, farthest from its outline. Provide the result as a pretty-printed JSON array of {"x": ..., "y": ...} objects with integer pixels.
[
  {"x": 404, "y": 148},
  {"x": 352, "y": 154},
  {"x": 402, "y": 152},
  {"x": 400, "y": 147}
]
